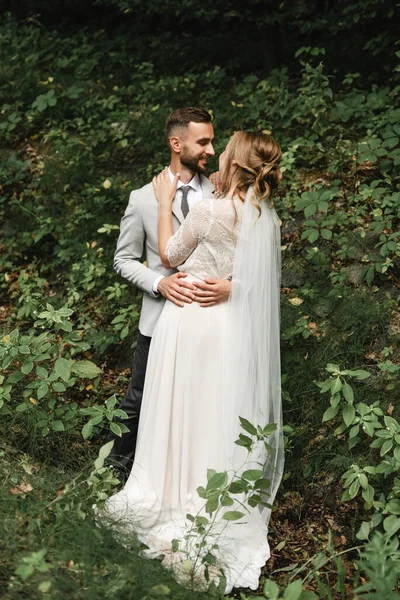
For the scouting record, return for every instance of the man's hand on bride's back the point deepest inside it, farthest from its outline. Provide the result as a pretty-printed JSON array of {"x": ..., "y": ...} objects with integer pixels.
[
  {"x": 164, "y": 188},
  {"x": 175, "y": 288}
]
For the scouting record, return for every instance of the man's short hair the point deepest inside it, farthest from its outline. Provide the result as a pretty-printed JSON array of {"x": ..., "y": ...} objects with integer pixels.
[{"x": 181, "y": 118}]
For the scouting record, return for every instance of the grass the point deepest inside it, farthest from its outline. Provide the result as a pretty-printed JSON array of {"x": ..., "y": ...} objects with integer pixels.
[{"x": 53, "y": 547}]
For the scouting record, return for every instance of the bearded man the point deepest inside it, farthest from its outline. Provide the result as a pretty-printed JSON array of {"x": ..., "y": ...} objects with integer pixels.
[{"x": 189, "y": 134}]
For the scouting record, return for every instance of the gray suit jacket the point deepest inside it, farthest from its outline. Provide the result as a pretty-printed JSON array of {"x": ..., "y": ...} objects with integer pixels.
[{"x": 138, "y": 236}]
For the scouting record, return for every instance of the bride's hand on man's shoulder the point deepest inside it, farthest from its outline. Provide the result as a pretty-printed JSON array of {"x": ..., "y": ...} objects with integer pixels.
[
  {"x": 164, "y": 188},
  {"x": 215, "y": 179}
]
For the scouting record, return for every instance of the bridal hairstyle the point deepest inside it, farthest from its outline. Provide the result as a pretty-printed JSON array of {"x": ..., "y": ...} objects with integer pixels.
[
  {"x": 252, "y": 158},
  {"x": 179, "y": 120}
]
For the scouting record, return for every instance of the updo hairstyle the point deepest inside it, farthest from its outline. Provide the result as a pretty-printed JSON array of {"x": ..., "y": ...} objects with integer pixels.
[{"x": 252, "y": 158}]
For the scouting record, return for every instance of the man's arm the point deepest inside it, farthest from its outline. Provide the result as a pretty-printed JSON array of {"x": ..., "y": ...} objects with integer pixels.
[
  {"x": 130, "y": 248},
  {"x": 127, "y": 263}
]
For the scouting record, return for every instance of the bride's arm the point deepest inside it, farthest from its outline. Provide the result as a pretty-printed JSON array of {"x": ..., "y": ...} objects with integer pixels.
[
  {"x": 165, "y": 191},
  {"x": 174, "y": 249}
]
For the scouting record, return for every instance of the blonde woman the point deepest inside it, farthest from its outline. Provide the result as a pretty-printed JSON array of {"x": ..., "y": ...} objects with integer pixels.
[{"x": 209, "y": 366}]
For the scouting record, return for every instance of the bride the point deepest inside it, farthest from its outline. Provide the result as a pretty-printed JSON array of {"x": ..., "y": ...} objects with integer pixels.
[{"x": 208, "y": 367}]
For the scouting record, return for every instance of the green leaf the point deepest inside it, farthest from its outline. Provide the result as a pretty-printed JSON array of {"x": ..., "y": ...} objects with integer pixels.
[
  {"x": 111, "y": 401},
  {"x": 349, "y": 413},
  {"x": 15, "y": 377},
  {"x": 391, "y": 525},
  {"x": 364, "y": 531},
  {"x": 232, "y": 515},
  {"x": 58, "y": 386},
  {"x": 24, "y": 349},
  {"x": 42, "y": 372},
  {"x": 391, "y": 424},
  {"x": 326, "y": 234},
  {"x": 247, "y": 426},
  {"x": 62, "y": 368},
  {"x": 253, "y": 474},
  {"x": 353, "y": 489},
  {"x": 387, "y": 446},
  {"x": 348, "y": 393},
  {"x": 262, "y": 484},
  {"x": 97, "y": 419},
  {"x": 217, "y": 481},
  {"x": 293, "y": 590},
  {"x": 237, "y": 487},
  {"x": 360, "y": 374},
  {"x": 314, "y": 235},
  {"x": 363, "y": 479},
  {"x": 45, "y": 586},
  {"x": 244, "y": 440},
  {"x": 42, "y": 390},
  {"x": 115, "y": 428},
  {"x": 269, "y": 429},
  {"x": 124, "y": 332},
  {"x": 209, "y": 559},
  {"x": 271, "y": 590},
  {"x": 27, "y": 367},
  {"x": 336, "y": 386},
  {"x": 368, "y": 494},
  {"x": 330, "y": 413},
  {"x": 86, "y": 369},
  {"x": 87, "y": 430},
  {"x": 103, "y": 453},
  {"x": 57, "y": 426}
]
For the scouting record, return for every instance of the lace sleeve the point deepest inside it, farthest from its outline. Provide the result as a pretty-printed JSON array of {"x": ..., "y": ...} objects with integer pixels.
[{"x": 181, "y": 245}]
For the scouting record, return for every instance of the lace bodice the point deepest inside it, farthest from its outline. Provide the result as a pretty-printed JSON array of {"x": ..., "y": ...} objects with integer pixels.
[{"x": 204, "y": 245}]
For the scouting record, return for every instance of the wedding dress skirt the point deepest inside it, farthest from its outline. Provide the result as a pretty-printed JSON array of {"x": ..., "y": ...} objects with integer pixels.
[{"x": 180, "y": 437}]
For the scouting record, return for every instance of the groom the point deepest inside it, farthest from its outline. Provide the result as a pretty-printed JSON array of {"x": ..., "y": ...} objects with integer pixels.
[{"x": 189, "y": 134}]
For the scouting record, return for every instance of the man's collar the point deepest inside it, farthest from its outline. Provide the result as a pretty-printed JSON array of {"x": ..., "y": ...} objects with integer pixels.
[{"x": 194, "y": 183}]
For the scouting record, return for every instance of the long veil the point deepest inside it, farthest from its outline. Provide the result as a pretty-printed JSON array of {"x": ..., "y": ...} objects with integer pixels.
[{"x": 252, "y": 383}]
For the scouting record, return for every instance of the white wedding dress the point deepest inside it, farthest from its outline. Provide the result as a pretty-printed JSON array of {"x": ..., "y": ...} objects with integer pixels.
[{"x": 183, "y": 415}]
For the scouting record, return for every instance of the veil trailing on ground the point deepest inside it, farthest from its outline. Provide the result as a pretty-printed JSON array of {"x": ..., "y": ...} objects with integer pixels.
[{"x": 252, "y": 356}]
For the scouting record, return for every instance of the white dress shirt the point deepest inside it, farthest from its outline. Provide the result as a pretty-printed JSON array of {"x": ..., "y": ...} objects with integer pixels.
[{"x": 195, "y": 194}]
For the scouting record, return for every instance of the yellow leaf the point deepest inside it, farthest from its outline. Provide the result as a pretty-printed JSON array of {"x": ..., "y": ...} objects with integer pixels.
[
  {"x": 33, "y": 400},
  {"x": 107, "y": 184},
  {"x": 6, "y": 339},
  {"x": 296, "y": 301}
]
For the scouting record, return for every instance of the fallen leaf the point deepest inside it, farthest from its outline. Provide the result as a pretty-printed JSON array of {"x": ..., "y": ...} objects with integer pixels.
[
  {"x": 296, "y": 301},
  {"x": 23, "y": 488}
]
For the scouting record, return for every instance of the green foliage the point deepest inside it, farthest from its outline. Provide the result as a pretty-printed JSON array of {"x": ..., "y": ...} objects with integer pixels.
[
  {"x": 77, "y": 134},
  {"x": 199, "y": 545},
  {"x": 40, "y": 371}
]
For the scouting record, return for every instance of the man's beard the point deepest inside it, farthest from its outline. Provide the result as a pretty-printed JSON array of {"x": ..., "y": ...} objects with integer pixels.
[{"x": 192, "y": 162}]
